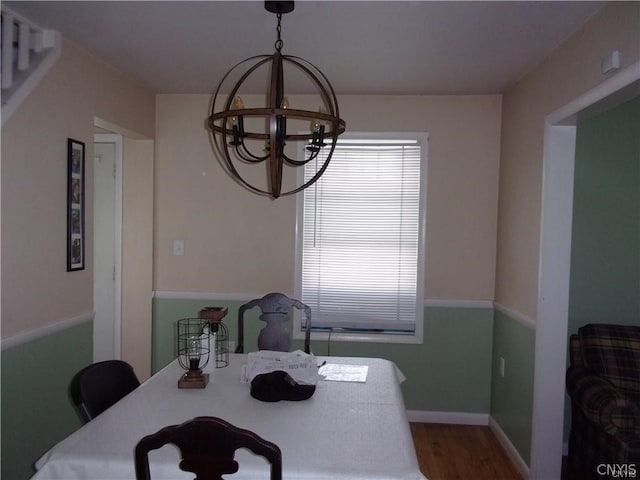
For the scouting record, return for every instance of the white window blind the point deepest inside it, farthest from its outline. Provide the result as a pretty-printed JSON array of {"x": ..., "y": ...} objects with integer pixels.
[{"x": 361, "y": 262}]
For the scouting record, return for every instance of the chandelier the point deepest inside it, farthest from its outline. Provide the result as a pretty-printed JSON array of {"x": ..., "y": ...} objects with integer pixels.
[{"x": 272, "y": 130}]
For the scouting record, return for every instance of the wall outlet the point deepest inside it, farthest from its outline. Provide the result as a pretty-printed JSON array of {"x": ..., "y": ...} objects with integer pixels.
[{"x": 502, "y": 366}]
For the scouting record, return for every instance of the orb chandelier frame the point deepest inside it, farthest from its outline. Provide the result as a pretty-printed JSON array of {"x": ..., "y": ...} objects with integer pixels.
[{"x": 229, "y": 128}]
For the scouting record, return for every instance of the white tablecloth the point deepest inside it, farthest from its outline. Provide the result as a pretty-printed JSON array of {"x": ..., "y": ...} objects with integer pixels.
[{"x": 346, "y": 430}]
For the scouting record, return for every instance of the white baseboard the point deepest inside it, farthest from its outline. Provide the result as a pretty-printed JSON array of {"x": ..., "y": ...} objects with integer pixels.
[
  {"x": 463, "y": 418},
  {"x": 511, "y": 451},
  {"x": 454, "y": 418}
]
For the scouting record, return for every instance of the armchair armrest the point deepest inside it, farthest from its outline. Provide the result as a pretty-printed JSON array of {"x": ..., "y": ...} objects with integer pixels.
[{"x": 603, "y": 404}]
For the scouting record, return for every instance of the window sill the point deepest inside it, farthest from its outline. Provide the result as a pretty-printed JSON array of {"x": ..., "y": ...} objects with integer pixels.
[{"x": 362, "y": 337}]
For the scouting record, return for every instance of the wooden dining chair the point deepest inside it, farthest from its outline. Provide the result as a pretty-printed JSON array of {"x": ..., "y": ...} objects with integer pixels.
[
  {"x": 207, "y": 446},
  {"x": 276, "y": 308},
  {"x": 100, "y": 385}
]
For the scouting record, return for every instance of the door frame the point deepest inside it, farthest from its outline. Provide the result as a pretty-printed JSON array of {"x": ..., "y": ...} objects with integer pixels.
[
  {"x": 136, "y": 310},
  {"x": 117, "y": 141},
  {"x": 555, "y": 265}
]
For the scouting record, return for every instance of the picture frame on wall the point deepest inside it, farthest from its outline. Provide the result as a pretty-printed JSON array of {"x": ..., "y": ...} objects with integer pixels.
[{"x": 75, "y": 205}]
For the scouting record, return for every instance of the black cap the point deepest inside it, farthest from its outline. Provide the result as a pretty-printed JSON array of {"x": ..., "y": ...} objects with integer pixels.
[{"x": 279, "y": 385}]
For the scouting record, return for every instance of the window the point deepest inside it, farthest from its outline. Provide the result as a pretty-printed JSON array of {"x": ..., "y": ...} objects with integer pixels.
[{"x": 360, "y": 239}]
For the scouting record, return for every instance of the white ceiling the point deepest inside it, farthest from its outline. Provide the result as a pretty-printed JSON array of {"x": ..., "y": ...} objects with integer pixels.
[{"x": 363, "y": 47}]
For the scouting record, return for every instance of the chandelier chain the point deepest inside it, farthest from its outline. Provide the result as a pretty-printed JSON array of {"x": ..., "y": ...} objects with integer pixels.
[{"x": 279, "y": 42}]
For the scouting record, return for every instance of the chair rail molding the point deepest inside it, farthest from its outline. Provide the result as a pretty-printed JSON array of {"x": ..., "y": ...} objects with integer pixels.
[
  {"x": 521, "y": 318},
  {"x": 182, "y": 295},
  {"x": 31, "y": 335}
]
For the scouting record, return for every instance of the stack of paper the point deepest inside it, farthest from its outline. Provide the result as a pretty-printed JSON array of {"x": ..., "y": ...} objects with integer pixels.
[
  {"x": 301, "y": 366},
  {"x": 344, "y": 373}
]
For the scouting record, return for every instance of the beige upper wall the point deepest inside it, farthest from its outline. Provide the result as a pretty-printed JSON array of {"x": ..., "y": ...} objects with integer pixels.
[
  {"x": 571, "y": 70},
  {"x": 36, "y": 288},
  {"x": 239, "y": 243}
]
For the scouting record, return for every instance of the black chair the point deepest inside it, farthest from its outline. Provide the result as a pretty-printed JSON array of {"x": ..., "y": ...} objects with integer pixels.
[
  {"x": 207, "y": 447},
  {"x": 276, "y": 308},
  {"x": 99, "y": 385}
]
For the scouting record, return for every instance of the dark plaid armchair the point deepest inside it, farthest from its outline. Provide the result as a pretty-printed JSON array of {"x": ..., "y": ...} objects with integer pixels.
[{"x": 603, "y": 381}]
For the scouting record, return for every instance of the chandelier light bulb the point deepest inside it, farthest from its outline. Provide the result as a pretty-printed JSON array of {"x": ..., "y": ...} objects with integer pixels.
[
  {"x": 316, "y": 122},
  {"x": 315, "y": 125},
  {"x": 238, "y": 104}
]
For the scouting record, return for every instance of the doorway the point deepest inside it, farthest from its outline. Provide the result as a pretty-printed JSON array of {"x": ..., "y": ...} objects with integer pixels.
[
  {"x": 555, "y": 265},
  {"x": 107, "y": 247}
]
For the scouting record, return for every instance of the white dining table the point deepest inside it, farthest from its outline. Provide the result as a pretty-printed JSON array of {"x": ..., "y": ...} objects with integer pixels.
[{"x": 346, "y": 430}]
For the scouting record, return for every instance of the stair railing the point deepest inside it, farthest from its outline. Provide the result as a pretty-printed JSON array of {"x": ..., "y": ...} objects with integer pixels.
[{"x": 27, "y": 52}]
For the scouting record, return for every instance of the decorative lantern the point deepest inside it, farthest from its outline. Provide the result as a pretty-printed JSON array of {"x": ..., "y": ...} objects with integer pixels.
[
  {"x": 193, "y": 351},
  {"x": 219, "y": 334}
]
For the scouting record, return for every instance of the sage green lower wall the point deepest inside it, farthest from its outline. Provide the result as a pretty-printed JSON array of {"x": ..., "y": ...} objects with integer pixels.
[
  {"x": 36, "y": 409},
  {"x": 454, "y": 370},
  {"x": 449, "y": 372},
  {"x": 512, "y": 395}
]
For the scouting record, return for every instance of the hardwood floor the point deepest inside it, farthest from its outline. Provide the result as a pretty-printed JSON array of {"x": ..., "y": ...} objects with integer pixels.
[{"x": 461, "y": 452}]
